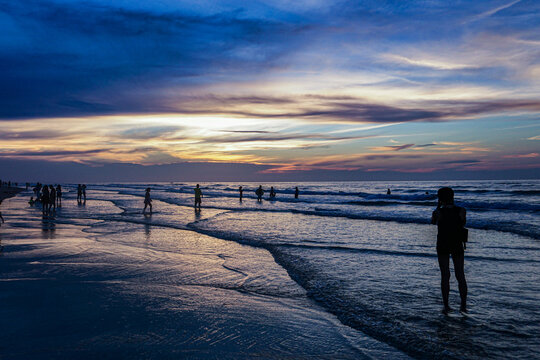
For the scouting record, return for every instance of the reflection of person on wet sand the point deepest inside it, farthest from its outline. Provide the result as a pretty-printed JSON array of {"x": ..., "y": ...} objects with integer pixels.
[
  {"x": 450, "y": 220},
  {"x": 147, "y": 201},
  {"x": 198, "y": 196}
]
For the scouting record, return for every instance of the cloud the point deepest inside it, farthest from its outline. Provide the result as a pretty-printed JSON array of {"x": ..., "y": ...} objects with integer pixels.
[
  {"x": 150, "y": 132},
  {"x": 62, "y": 153},
  {"x": 117, "y": 60},
  {"x": 392, "y": 147},
  {"x": 465, "y": 161},
  {"x": 33, "y": 135},
  {"x": 429, "y": 63},
  {"x": 357, "y": 109},
  {"x": 522, "y": 156},
  {"x": 493, "y": 11},
  {"x": 537, "y": 137}
]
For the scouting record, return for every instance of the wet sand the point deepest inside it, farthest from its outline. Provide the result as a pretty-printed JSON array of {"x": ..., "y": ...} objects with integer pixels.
[
  {"x": 7, "y": 192},
  {"x": 88, "y": 289}
]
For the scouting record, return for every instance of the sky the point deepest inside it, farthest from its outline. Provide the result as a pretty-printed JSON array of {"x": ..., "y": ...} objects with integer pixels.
[{"x": 269, "y": 90}]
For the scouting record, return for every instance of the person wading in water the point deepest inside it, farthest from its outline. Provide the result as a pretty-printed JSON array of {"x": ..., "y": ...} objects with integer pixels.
[{"x": 450, "y": 220}]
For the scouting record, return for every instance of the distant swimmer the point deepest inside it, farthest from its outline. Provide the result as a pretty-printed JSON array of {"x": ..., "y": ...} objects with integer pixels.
[
  {"x": 147, "y": 201},
  {"x": 241, "y": 191},
  {"x": 259, "y": 192},
  {"x": 296, "y": 192},
  {"x": 198, "y": 196},
  {"x": 450, "y": 220},
  {"x": 388, "y": 192},
  {"x": 272, "y": 193}
]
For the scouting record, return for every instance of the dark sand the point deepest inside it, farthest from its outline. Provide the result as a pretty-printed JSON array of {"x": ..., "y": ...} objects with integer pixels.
[
  {"x": 7, "y": 192},
  {"x": 87, "y": 289}
]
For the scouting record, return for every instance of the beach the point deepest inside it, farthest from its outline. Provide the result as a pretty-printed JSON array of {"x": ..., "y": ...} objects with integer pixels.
[
  {"x": 69, "y": 289},
  {"x": 7, "y": 192},
  {"x": 320, "y": 277}
]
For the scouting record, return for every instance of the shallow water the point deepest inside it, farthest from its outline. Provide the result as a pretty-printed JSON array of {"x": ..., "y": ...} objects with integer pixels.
[{"x": 366, "y": 257}]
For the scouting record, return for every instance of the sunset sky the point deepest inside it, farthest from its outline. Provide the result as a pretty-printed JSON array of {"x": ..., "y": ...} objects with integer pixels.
[{"x": 270, "y": 89}]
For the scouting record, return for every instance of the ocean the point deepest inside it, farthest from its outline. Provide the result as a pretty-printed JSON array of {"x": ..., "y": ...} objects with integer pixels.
[{"x": 362, "y": 255}]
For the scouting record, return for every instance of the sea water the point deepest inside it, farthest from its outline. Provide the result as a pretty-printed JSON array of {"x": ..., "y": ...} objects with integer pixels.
[{"x": 366, "y": 256}]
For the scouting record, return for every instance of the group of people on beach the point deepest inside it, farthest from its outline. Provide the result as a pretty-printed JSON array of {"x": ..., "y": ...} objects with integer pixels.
[
  {"x": 449, "y": 218},
  {"x": 198, "y": 196},
  {"x": 7, "y": 183},
  {"x": 81, "y": 193},
  {"x": 451, "y": 237},
  {"x": 272, "y": 196},
  {"x": 49, "y": 196}
]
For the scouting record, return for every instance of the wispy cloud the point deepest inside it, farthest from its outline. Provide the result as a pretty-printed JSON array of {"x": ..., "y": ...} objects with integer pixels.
[
  {"x": 429, "y": 63},
  {"x": 522, "y": 156},
  {"x": 392, "y": 147},
  {"x": 494, "y": 10}
]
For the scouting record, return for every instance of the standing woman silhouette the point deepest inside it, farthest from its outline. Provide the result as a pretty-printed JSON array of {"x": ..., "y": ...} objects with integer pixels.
[{"x": 450, "y": 220}]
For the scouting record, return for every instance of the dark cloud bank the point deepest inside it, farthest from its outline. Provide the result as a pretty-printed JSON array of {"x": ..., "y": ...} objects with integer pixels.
[{"x": 70, "y": 172}]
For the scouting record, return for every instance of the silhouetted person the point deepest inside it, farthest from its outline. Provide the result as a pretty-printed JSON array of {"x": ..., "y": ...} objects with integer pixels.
[
  {"x": 79, "y": 193},
  {"x": 31, "y": 202},
  {"x": 37, "y": 190},
  {"x": 296, "y": 192},
  {"x": 450, "y": 220},
  {"x": 1, "y": 217},
  {"x": 198, "y": 196},
  {"x": 388, "y": 192},
  {"x": 241, "y": 191},
  {"x": 52, "y": 198},
  {"x": 59, "y": 195},
  {"x": 147, "y": 201},
  {"x": 45, "y": 199},
  {"x": 84, "y": 192},
  {"x": 272, "y": 193},
  {"x": 259, "y": 192}
]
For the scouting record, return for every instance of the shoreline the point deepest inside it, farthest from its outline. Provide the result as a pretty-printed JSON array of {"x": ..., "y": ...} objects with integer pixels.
[
  {"x": 8, "y": 192},
  {"x": 149, "y": 291}
]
